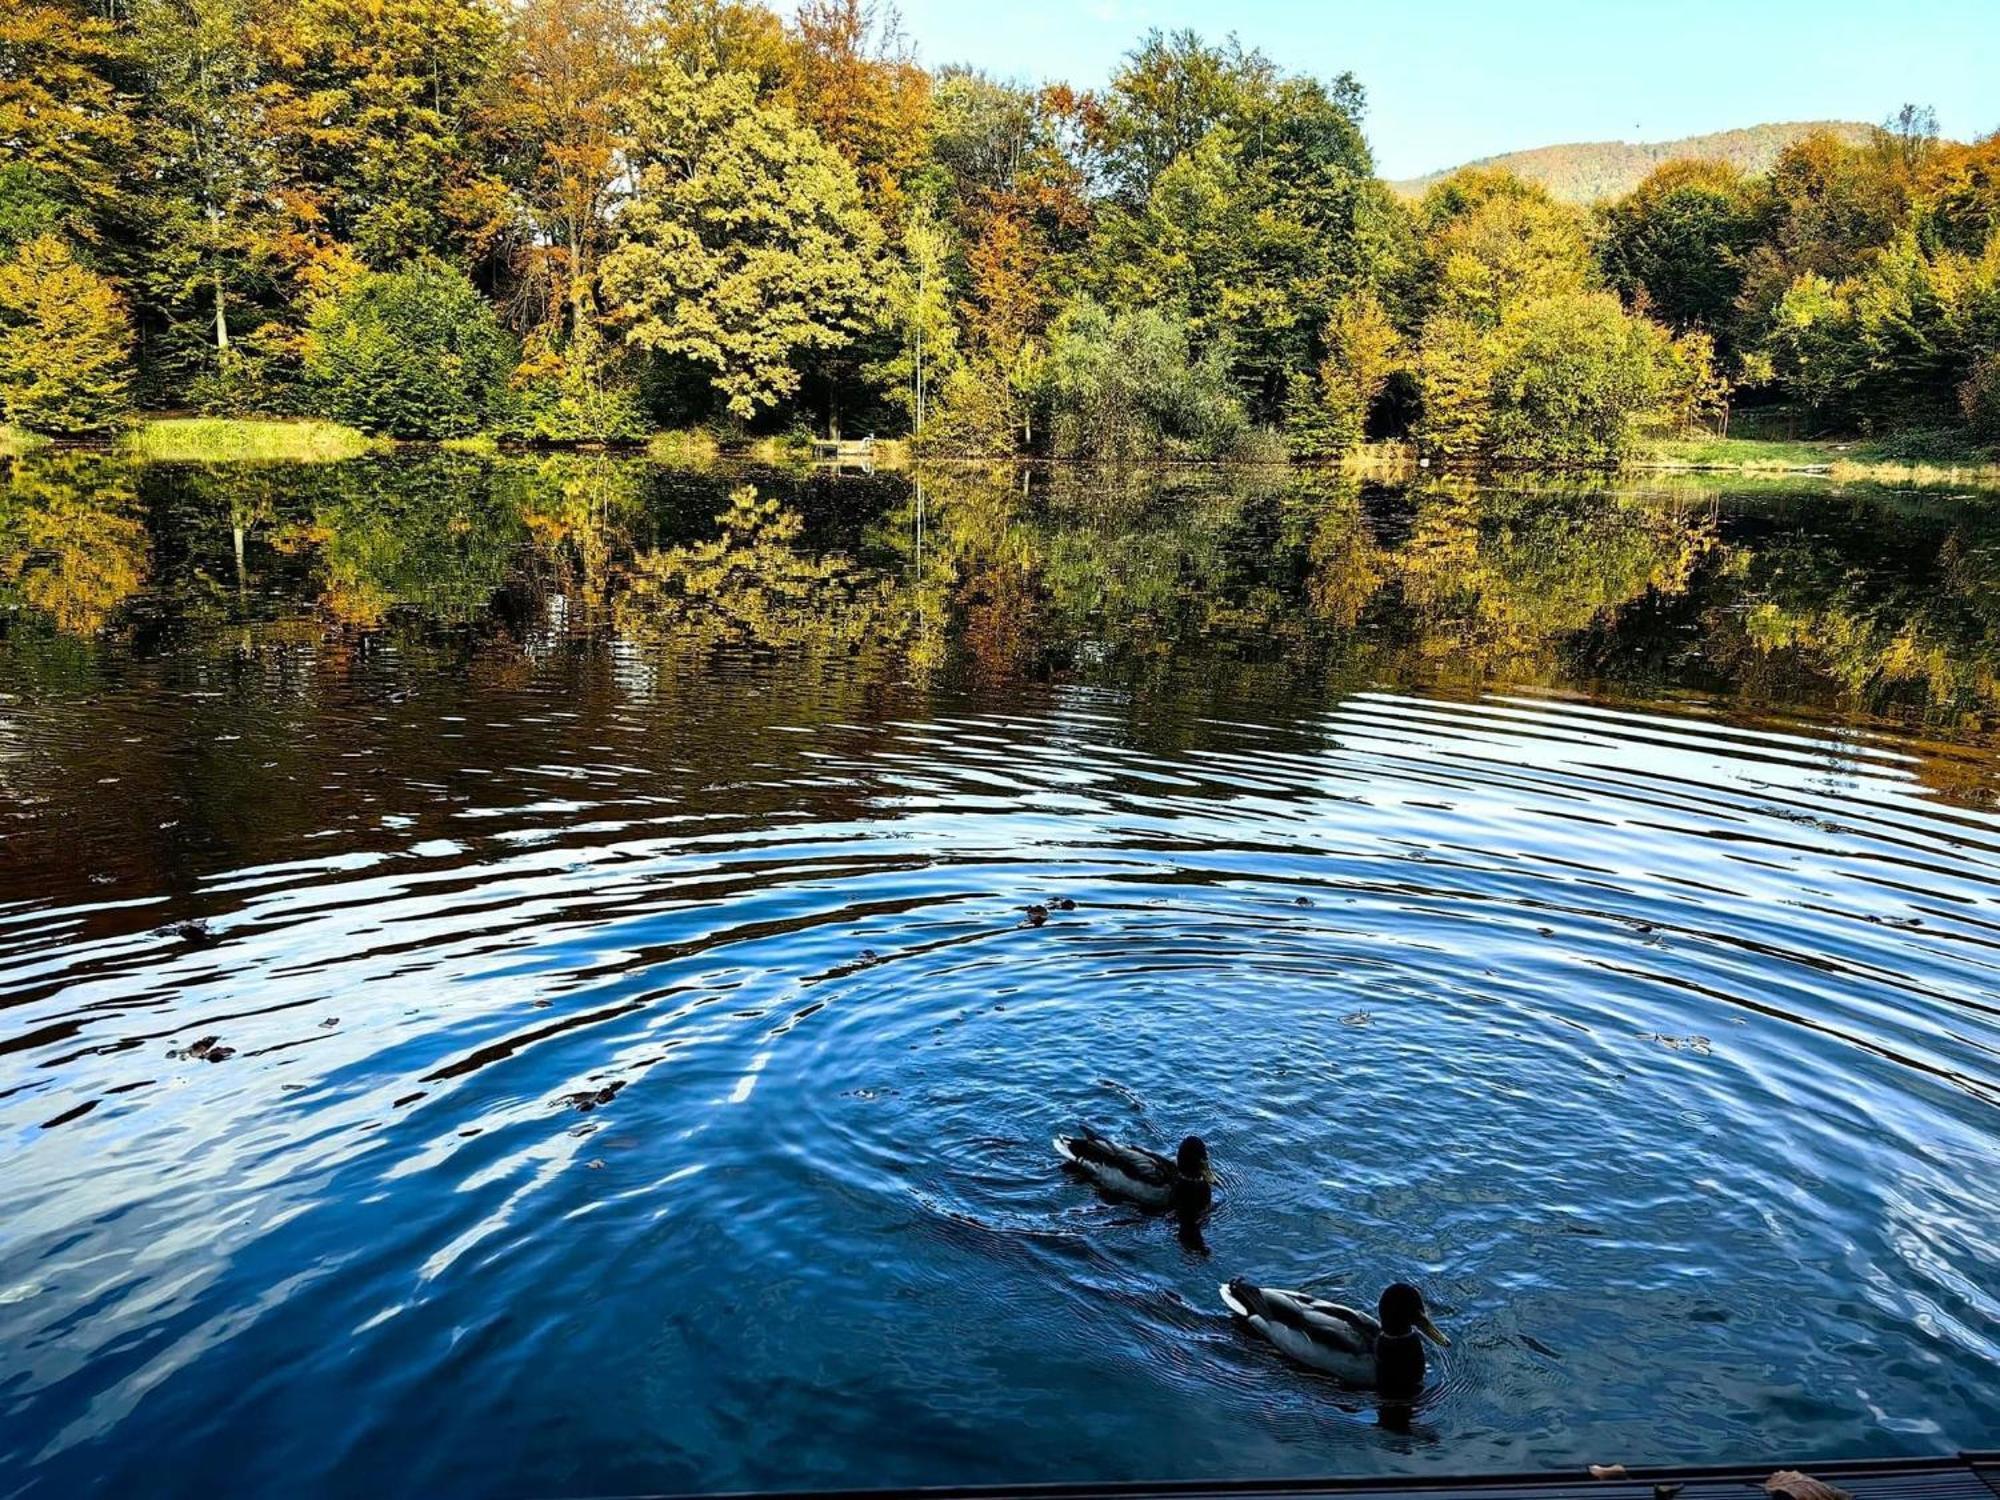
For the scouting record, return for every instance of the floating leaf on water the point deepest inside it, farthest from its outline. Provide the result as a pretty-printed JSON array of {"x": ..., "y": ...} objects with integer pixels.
[
  {"x": 1667, "y": 1491},
  {"x": 1607, "y": 1471}
]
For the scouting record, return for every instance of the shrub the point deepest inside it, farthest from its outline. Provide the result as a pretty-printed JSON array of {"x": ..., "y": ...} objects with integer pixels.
[
  {"x": 1328, "y": 416},
  {"x": 566, "y": 400},
  {"x": 974, "y": 414},
  {"x": 64, "y": 342},
  {"x": 577, "y": 390},
  {"x": 1124, "y": 385},
  {"x": 1455, "y": 385},
  {"x": 410, "y": 353},
  {"x": 1575, "y": 373}
]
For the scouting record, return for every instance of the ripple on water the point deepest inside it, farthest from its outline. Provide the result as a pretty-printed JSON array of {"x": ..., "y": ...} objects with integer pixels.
[{"x": 691, "y": 1129}]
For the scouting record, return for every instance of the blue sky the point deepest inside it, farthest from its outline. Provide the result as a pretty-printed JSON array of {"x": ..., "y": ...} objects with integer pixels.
[{"x": 1449, "y": 80}]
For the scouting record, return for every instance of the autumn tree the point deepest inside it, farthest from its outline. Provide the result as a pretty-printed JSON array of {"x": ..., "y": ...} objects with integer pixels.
[
  {"x": 375, "y": 112},
  {"x": 65, "y": 342},
  {"x": 63, "y": 128},
  {"x": 920, "y": 304},
  {"x": 1328, "y": 412},
  {"x": 573, "y": 72},
  {"x": 1495, "y": 242},
  {"x": 853, "y": 80},
  {"x": 563, "y": 118},
  {"x": 1959, "y": 198},
  {"x": 746, "y": 244},
  {"x": 726, "y": 36}
]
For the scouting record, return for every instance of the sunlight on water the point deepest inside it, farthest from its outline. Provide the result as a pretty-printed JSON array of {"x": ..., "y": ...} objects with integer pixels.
[{"x": 496, "y": 1003}]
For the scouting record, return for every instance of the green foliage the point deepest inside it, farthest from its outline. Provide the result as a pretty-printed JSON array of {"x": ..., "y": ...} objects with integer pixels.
[
  {"x": 414, "y": 353},
  {"x": 1573, "y": 376},
  {"x": 65, "y": 343},
  {"x": 580, "y": 392},
  {"x": 1240, "y": 195},
  {"x": 1494, "y": 241},
  {"x": 31, "y": 202},
  {"x": 1120, "y": 385},
  {"x": 1564, "y": 379},
  {"x": 1676, "y": 246},
  {"x": 746, "y": 246},
  {"x": 1892, "y": 345},
  {"x": 975, "y": 414},
  {"x": 1456, "y": 360},
  {"x": 708, "y": 205}
]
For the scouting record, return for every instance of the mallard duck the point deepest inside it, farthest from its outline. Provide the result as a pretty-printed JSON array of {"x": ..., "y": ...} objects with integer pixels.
[
  {"x": 1183, "y": 1180},
  {"x": 1382, "y": 1353}
]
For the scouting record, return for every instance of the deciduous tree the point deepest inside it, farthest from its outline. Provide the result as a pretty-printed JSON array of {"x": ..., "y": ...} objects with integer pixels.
[
  {"x": 746, "y": 245},
  {"x": 65, "y": 342}
]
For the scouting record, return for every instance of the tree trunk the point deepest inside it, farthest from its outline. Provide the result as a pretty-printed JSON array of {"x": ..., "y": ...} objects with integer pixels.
[{"x": 221, "y": 314}]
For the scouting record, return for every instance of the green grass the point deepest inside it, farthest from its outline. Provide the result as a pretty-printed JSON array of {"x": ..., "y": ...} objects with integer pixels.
[
  {"x": 1907, "y": 458},
  {"x": 14, "y": 441},
  {"x": 235, "y": 440},
  {"x": 692, "y": 446}
]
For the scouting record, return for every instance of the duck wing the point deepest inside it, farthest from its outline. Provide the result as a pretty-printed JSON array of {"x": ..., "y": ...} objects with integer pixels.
[
  {"x": 1328, "y": 1335},
  {"x": 1329, "y": 1323},
  {"x": 1131, "y": 1170}
]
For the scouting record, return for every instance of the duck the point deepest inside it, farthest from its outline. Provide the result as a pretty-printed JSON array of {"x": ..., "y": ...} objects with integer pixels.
[
  {"x": 1183, "y": 1181},
  {"x": 1382, "y": 1353}
]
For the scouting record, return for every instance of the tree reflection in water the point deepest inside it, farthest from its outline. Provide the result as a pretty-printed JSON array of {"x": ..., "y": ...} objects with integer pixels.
[{"x": 1873, "y": 603}]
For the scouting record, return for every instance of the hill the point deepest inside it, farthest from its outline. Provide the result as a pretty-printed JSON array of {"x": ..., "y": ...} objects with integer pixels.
[{"x": 1586, "y": 172}]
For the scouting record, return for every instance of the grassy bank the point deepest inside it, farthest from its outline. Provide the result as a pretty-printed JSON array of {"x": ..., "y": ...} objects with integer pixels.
[
  {"x": 1910, "y": 459},
  {"x": 232, "y": 440},
  {"x": 14, "y": 442}
]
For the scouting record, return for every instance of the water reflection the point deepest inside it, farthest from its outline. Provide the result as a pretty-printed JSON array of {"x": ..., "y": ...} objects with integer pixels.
[
  {"x": 1875, "y": 603},
  {"x": 612, "y": 1002}
]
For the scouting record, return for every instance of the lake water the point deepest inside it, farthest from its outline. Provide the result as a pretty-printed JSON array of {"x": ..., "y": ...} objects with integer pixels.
[{"x": 1583, "y": 903}]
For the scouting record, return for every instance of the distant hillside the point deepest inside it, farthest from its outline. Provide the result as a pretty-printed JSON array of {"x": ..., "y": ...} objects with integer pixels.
[{"x": 1605, "y": 169}]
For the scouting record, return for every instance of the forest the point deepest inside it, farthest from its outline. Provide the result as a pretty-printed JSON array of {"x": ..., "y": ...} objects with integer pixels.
[{"x": 588, "y": 221}]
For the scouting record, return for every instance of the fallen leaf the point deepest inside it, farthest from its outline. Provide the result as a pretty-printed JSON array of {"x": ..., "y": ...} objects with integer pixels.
[
  {"x": 1607, "y": 1471},
  {"x": 1796, "y": 1486},
  {"x": 1667, "y": 1491}
]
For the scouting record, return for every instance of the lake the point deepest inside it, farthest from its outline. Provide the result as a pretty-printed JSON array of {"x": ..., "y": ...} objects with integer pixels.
[{"x": 514, "y": 973}]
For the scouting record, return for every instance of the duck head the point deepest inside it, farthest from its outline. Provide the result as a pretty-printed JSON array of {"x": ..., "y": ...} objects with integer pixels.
[
  {"x": 1402, "y": 1313},
  {"x": 1399, "y": 1355},
  {"x": 1191, "y": 1161}
]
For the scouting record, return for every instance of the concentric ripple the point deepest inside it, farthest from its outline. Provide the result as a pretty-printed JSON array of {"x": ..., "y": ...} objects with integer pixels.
[{"x": 617, "y": 1095}]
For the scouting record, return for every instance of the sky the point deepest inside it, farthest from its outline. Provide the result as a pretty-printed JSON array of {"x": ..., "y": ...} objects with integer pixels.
[{"x": 1451, "y": 80}]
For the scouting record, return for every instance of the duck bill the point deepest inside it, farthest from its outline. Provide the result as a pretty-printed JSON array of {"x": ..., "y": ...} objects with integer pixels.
[{"x": 1430, "y": 1331}]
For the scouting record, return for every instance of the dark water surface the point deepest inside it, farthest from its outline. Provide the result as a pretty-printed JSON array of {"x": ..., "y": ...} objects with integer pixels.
[{"x": 1586, "y": 904}]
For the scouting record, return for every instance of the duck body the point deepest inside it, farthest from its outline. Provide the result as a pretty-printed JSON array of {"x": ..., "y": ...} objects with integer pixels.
[
  {"x": 1183, "y": 1181},
  {"x": 1381, "y": 1353}
]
